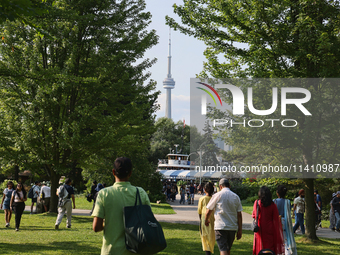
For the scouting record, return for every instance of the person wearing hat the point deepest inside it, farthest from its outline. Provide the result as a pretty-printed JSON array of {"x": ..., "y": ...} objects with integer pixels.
[
  {"x": 332, "y": 219},
  {"x": 299, "y": 207},
  {"x": 228, "y": 216},
  {"x": 336, "y": 207}
]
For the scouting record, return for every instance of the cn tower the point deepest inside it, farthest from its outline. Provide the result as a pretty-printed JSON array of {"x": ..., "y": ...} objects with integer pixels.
[{"x": 168, "y": 83}]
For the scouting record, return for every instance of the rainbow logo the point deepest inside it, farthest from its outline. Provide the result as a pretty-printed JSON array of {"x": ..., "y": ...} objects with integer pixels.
[{"x": 209, "y": 93}]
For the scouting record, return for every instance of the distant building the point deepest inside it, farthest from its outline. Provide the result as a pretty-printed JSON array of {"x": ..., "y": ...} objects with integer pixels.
[{"x": 222, "y": 145}]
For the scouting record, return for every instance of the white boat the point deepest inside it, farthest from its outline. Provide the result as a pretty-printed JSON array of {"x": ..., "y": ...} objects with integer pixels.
[
  {"x": 175, "y": 162},
  {"x": 177, "y": 166}
]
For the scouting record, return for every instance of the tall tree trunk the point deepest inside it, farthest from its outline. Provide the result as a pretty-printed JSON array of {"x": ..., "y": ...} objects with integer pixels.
[
  {"x": 54, "y": 186},
  {"x": 16, "y": 173},
  {"x": 309, "y": 195},
  {"x": 310, "y": 209}
]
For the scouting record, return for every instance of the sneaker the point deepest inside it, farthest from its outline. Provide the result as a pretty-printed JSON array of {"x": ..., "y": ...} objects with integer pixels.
[
  {"x": 68, "y": 226},
  {"x": 7, "y": 225},
  {"x": 16, "y": 229},
  {"x": 337, "y": 230},
  {"x": 56, "y": 227}
]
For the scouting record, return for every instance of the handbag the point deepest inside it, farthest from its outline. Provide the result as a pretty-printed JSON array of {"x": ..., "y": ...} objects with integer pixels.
[
  {"x": 143, "y": 233},
  {"x": 255, "y": 226}
]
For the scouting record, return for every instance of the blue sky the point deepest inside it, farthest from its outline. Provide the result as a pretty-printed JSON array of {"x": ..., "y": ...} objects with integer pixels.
[{"x": 187, "y": 59}]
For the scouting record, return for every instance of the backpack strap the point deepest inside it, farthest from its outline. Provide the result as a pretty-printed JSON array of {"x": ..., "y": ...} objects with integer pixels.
[
  {"x": 138, "y": 196},
  {"x": 257, "y": 212}
]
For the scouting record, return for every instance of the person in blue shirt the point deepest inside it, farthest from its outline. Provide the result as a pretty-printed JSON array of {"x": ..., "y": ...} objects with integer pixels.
[{"x": 284, "y": 208}]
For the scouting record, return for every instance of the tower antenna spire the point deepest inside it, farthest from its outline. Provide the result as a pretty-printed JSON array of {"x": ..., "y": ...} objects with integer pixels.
[{"x": 168, "y": 82}]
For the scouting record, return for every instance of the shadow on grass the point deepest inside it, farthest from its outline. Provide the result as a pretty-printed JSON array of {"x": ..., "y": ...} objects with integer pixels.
[
  {"x": 320, "y": 242},
  {"x": 38, "y": 248},
  {"x": 185, "y": 239},
  {"x": 74, "y": 217}
]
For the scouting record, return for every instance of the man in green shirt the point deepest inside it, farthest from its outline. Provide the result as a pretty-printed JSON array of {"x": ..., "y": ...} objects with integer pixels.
[{"x": 109, "y": 208}]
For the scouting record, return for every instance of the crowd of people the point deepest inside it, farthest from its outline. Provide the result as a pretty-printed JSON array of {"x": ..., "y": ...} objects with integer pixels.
[
  {"x": 273, "y": 217},
  {"x": 187, "y": 192},
  {"x": 220, "y": 213},
  {"x": 14, "y": 199}
]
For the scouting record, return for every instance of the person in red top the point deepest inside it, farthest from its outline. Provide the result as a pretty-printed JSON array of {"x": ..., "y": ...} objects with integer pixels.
[{"x": 269, "y": 236}]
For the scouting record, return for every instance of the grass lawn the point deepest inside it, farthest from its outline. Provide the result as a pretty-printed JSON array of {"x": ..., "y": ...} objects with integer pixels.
[
  {"x": 163, "y": 208},
  {"x": 37, "y": 236},
  {"x": 247, "y": 207},
  {"x": 82, "y": 203}
]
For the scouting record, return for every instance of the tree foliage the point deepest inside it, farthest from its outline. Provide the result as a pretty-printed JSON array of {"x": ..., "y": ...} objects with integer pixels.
[
  {"x": 209, "y": 149},
  {"x": 22, "y": 9},
  {"x": 168, "y": 133},
  {"x": 77, "y": 97},
  {"x": 270, "y": 39}
]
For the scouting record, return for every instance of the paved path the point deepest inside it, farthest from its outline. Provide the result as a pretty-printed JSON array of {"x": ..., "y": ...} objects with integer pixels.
[
  {"x": 79, "y": 212},
  {"x": 187, "y": 214}
]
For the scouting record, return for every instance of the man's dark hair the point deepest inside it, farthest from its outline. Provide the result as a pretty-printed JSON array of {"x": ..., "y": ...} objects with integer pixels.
[
  {"x": 68, "y": 181},
  {"x": 36, "y": 182},
  {"x": 265, "y": 196},
  {"x": 316, "y": 191},
  {"x": 282, "y": 190},
  {"x": 123, "y": 167}
]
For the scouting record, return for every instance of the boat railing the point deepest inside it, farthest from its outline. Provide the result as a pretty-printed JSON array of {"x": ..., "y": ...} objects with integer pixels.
[{"x": 175, "y": 162}]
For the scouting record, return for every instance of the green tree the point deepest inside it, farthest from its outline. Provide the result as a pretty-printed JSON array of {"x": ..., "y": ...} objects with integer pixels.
[
  {"x": 19, "y": 9},
  {"x": 209, "y": 149},
  {"x": 270, "y": 39},
  {"x": 168, "y": 133},
  {"x": 78, "y": 97}
]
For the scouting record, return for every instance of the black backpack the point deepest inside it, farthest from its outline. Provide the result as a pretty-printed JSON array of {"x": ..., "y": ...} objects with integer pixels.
[{"x": 30, "y": 192}]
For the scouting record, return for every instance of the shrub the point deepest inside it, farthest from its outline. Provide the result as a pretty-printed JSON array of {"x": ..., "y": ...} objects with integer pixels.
[
  {"x": 155, "y": 197},
  {"x": 3, "y": 185},
  {"x": 252, "y": 199}
]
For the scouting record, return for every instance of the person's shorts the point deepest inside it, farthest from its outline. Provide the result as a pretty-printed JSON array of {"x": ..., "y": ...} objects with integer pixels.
[
  {"x": 34, "y": 200},
  {"x": 46, "y": 201},
  {"x": 225, "y": 239},
  {"x": 192, "y": 195}
]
